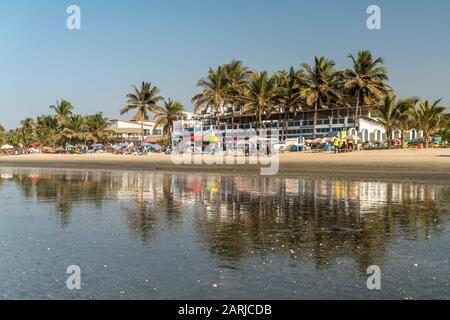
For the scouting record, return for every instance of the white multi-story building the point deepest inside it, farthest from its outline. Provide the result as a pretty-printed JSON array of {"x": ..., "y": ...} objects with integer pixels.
[{"x": 328, "y": 123}]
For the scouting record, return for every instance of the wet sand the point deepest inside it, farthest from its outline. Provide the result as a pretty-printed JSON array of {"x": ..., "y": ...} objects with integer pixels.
[{"x": 387, "y": 165}]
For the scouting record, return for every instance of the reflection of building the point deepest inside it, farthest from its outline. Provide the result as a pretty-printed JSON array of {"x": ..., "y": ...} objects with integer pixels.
[
  {"x": 130, "y": 131},
  {"x": 320, "y": 219}
]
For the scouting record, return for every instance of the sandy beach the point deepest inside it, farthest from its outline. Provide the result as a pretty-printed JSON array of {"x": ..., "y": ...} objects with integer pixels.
[{"x": 406, "y": 165}]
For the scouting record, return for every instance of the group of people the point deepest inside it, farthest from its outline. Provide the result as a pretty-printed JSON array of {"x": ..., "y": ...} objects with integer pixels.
[{"x": 342, "y": 145}]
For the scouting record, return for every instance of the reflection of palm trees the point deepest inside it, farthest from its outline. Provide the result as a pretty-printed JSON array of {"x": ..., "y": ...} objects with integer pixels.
[
  {"x": 325, "y": 219},
  {"x": 236, "y": 217},
  {"x": 155, "y": 205},
  {"x": 62, "y": 189}
]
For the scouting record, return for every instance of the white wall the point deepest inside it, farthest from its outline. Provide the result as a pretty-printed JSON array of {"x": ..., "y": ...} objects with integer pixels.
[
  {"x": 373, "y": 132},
  {"x": 130, "y": 125}
]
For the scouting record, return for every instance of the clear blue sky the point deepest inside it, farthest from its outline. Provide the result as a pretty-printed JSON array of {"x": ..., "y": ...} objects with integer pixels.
[{"x": 173, "y": 43}]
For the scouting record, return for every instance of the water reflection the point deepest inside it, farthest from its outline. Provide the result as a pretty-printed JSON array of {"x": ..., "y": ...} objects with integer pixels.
[{"x": 239, "y": 217}]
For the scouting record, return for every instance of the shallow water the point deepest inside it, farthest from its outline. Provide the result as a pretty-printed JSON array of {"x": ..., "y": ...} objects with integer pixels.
[{"x": 156, "y": 236}]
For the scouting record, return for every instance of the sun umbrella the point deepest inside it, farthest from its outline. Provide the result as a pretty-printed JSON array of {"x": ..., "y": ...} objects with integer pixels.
[
  {"x": 156, "y": 147},
  {"x": 212, "y": 139},
  {"x": 317, "y": 140},
  {"x": 7, "y": 147},
  {"x": 195, "y": 138}
]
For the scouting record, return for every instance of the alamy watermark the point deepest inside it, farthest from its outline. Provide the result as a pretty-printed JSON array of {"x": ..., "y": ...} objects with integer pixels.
[
  {"x": 73, "y": 282},
  {"x": 73, "y": 22},
  {"x": 374, "y": 281},
  {"x": 250, "y": 146},
  {"x": 374, "y": 20}
]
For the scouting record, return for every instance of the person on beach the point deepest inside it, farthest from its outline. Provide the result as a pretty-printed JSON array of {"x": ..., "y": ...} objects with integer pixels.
[
  {"x": 350, "y": 145},
  {"x": 336, "y": 144}
]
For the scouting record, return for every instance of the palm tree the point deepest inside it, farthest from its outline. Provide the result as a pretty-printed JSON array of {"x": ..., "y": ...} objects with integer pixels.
[
  {"x": 444, "y": 133},
  {"x": 165, "y": 116},
  {"x": 144, "y": 101},
  {"x": 289, "y": 98},
  {"x": 2, "y": 135},
  {"x": 27, "y": 132},
  {"x": 47, "y": 121},
  {"x": 44, "y": 135},
  {"x": 366, "y": 82},
  {"x": 405, "y": 117},
  {"x": 260, "y": 95},
  {"x": 387, "y": 115},
  {"x": 63, "y": 110},
  {"x": 216, "y": 91},
  {"x": 73, "y": 130},
  {"x": 321, "y": 86},
  {"x": 238, "y": 75},
  {"x": 98, "y": 128},
  {"x": 24, "y": 137},
  {"x": 429, "y": 118}
]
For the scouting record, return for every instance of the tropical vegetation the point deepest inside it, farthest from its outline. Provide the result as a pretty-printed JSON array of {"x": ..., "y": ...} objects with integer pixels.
[
  {"x": 58, "y": 129},
  {"x": 314, "y": 88},
  {"x": 256, "y": 94}
]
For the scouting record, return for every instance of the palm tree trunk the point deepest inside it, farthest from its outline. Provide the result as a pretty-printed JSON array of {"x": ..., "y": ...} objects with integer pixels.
[
  {"x": 142, "y": 131},
  {"x": 170, "y": 134},
  {"x": 286, "y": 116},
  {"x": 402, "y": 140},
  {"x": 388, "y": 137},
  {"x": 259, "y": 122},
  {"x": 315, "y": 118},
  {"x": 425, "y": 137},
  {"x": 357, "y": 107},
  {"x": 232, "y": 118}
]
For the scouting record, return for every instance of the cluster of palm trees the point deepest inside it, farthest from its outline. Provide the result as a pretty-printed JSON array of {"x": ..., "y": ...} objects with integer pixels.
[
  {"x": 58, "y": 129},
  {"x": 315, "y": 87},
  {"x": 412, "y": 113},
  {"x": 147, "y": 100}
]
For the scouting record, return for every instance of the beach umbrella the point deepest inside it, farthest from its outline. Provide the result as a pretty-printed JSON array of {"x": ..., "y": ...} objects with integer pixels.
[
  {"x": 7, "y": 147},
  {"x": 212, "y": 139},
  {"x": 317, "y": 140},
  {"x": 70, "y": 147},
  {"x": 156, "y": 147},
  {"x": 195, "y": 138}
]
